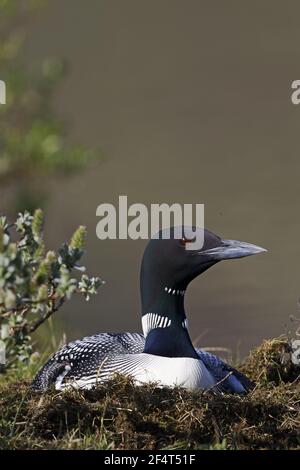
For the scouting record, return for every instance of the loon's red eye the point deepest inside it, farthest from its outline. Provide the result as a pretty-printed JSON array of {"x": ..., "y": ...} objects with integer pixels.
[{"x": 183, "y": 241}]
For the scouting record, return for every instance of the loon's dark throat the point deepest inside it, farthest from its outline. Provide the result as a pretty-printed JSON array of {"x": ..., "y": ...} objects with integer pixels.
[
  {"x": 166, "y": 333},
  {"x": 165, "y": 325}
]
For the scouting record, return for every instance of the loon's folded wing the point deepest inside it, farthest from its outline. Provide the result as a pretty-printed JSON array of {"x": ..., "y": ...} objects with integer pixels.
[
  {"x": 228, "y": 379},
  {"x": 86, "y": 357}
]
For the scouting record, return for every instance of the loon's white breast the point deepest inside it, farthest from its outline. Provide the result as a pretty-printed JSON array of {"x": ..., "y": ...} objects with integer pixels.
[
  {"x": 174, "y": 371},
  {"x": 147, "y": 368}
]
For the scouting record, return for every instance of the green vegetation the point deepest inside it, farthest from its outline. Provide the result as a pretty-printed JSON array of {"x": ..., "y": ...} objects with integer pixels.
[
  {"x": 34, "y": 283},
  {"x": 119, "y": 415}
]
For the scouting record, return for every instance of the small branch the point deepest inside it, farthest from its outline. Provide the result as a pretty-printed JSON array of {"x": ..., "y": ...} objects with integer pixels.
[
  {"x": 54, "y": 309},
  {"x": 24, "y": 305},
  {"x": 219, "y": 383}
]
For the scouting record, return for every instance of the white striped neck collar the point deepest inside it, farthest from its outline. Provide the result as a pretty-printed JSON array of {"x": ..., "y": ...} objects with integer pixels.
[{"x": 152, "y": 320}]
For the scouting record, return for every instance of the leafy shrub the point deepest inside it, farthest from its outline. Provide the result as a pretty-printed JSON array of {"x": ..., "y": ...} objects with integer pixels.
[{"x": 34, "y": 283}]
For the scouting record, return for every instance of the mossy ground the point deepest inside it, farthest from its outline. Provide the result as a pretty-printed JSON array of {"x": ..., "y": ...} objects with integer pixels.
[{"x": 119, "y": 415}]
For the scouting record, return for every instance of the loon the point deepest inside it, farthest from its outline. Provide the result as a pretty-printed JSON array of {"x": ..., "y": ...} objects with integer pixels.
[{"x": 164, "y": 353}]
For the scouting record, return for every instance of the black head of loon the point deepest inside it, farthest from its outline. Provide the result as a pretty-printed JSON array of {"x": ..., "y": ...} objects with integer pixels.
[{"x": 167, "y": 269}]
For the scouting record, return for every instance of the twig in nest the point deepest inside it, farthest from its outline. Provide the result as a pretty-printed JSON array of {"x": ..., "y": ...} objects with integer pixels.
[{"x": 220, "y": 381}]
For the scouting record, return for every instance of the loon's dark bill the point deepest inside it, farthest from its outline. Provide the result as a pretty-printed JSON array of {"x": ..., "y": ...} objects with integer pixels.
[{"x": 230, "y": 249}]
